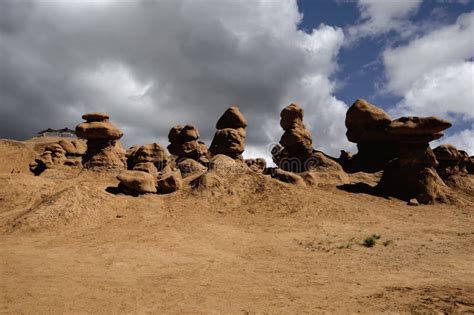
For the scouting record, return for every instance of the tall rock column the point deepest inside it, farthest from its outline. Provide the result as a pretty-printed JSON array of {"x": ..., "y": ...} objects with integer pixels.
[
  {"x": 295, "y": 152},
  {"x": 296, "y": 145},
  {"x": 412, "y": 174},
  {"x": 184, "y": 144},
  {"x": 229, "y": 138},
  {"x": 103, "y": 146},
  {"x": 366, "y": 125}
]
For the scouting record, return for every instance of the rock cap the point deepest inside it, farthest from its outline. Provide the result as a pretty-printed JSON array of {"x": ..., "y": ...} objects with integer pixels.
[
  {"x": 98, "y": 130},
  {"x": 95, "y": 116},
  {"x": 232, "y": 118},
  {"x": 291, "y": 115},
  {"x": 413, "y": 128},
  {"x": 366, "y": 122}
]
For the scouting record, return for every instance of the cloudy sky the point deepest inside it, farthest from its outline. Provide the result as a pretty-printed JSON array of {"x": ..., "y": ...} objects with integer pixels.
[{"x": 153, "y": 64}]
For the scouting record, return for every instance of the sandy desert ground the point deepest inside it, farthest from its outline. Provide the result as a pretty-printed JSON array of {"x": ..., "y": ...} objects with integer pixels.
[{"x": 242, "y": 243}]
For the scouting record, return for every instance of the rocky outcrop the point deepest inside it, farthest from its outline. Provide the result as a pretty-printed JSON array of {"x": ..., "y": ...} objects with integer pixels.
[
  {"x": 190, "y": 166},
  {"x": 65, "y": 152},
  {"x": 367, "y": 126},
  {"x": 137, "y": 182},
  {"x": 464, "y": 162},
  {"x": 469, "y": 164},
  {"x": 151, "y": 158},
  {"x": 295, "y": 151},
  {"x": 223, "y": 163},
  {"x": 256, "y": 165},
  {"x": 287, "y": 177},
  {"x": 103, "y": 146},
  {"x": 451, "y": 161},
  {"x": 399, "y": 147},
  {"x": 229, "y": 138},
  {"x": 73, "y": 148},
  {"x": 412, "y": 173},
  {"x": 184, "y": 144},
  {"x": 53, "y": 155},
  {"x": 170, "y": 182}
]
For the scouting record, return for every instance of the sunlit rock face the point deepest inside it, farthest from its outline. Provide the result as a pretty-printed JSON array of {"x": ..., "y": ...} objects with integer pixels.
[{"x": 103, "y": 146}]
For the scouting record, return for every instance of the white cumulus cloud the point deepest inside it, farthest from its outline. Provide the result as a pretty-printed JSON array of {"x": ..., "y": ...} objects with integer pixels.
[
  {"x": 378, "y": 17},
  {"x": 434, "y": 75},
  {"x": 153, "y": 64},
  {"x": 439, "y": 48}
]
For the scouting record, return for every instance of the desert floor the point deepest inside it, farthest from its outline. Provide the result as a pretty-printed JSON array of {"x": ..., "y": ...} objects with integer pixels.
[{"x": 244, "y": 243}]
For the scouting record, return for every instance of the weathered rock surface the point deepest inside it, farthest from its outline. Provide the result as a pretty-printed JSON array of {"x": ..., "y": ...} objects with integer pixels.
[
  {"x": 367, "y": 126},
  {"x": 366, "y": 122},
  {"x": 399, "y": 147},
  {"x": 74, "y": 147},
  {"x": 222, "y": 162},
  {"x": 137, "y": 181},
  {"x": 190, "y": 166},
  {"x": 170, "y": 182},
  {"x": 95, "y": 116},
  {"x": 417, "y": 129},
  {"x": 229, "y": 138},
  {"x": 290, "y": 116},
  {"x": 256, "y": 165},
  {"x": 184, "y": 144},
  {"x": 451, "y": 161},
  {"x": 228, "y": 141},
  {"x": 470, "y": 165},
  {"x": 149, "y": 153},
  {"x": 232, "y": 118},
  {"x": 287, "y": 177},
  {"x": 98, "y": 130},
  {"x": 412, "y": 173},
  {"x": 295, "y": 152},
  {"x": 464, "y": 162},
  {"x": 147, "y": 167},
  {"x": 104, "y": 154},
  {"x": 103, "y": 148},
  {"x": 65, "y": 152}
]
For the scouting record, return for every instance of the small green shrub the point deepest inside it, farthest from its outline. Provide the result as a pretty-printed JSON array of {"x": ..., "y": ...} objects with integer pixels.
[{"x": 371, "y": 240}]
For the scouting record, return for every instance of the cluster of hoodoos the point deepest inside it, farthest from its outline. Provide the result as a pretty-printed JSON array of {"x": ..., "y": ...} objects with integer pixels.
[{"x": 400, "y": 148}]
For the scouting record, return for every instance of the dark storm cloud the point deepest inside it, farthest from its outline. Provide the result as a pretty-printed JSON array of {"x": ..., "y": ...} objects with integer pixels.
[{"x": 151, "y": 65}]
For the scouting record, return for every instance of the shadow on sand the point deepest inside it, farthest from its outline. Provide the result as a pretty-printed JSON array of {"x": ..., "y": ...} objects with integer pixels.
[{"x": 362, "y": 188}]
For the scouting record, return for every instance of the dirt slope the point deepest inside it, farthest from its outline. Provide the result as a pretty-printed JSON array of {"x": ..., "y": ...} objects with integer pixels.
[
  {"x": 245, "y": 243},
  {"x": 15, "y": 156}
]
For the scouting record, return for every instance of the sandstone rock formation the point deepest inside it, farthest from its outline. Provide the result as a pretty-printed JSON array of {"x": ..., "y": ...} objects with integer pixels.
[
  {"x": 103, "y": 146},
  {"x": 470, "y": 165},
  {"x": 65, "y": 152},
  {"x": 399, "y": 147},
  {"x": 257, "y": 165},
  {"x": 295, "y": 151},
  {"x": 184, "y": 144},
  {"x": 366, "y": 125},
  {"x": 412, "y": 174},
  {"x": 223, "y": 163},
  {"x": 73, "y": 148},
  {"x": 190, "y": 166},
  {"x": 451, "y": 161},
  {"x": 287, "y": 177},
  {"x": 52, "y": 155},
  {"x": 151, "y": 158},
  {"x": 229, "y": 138},
  {"x": 464, "y": 162},
  {"x": 133, "y": 182},
  {"x": 170, "y": 182}
]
